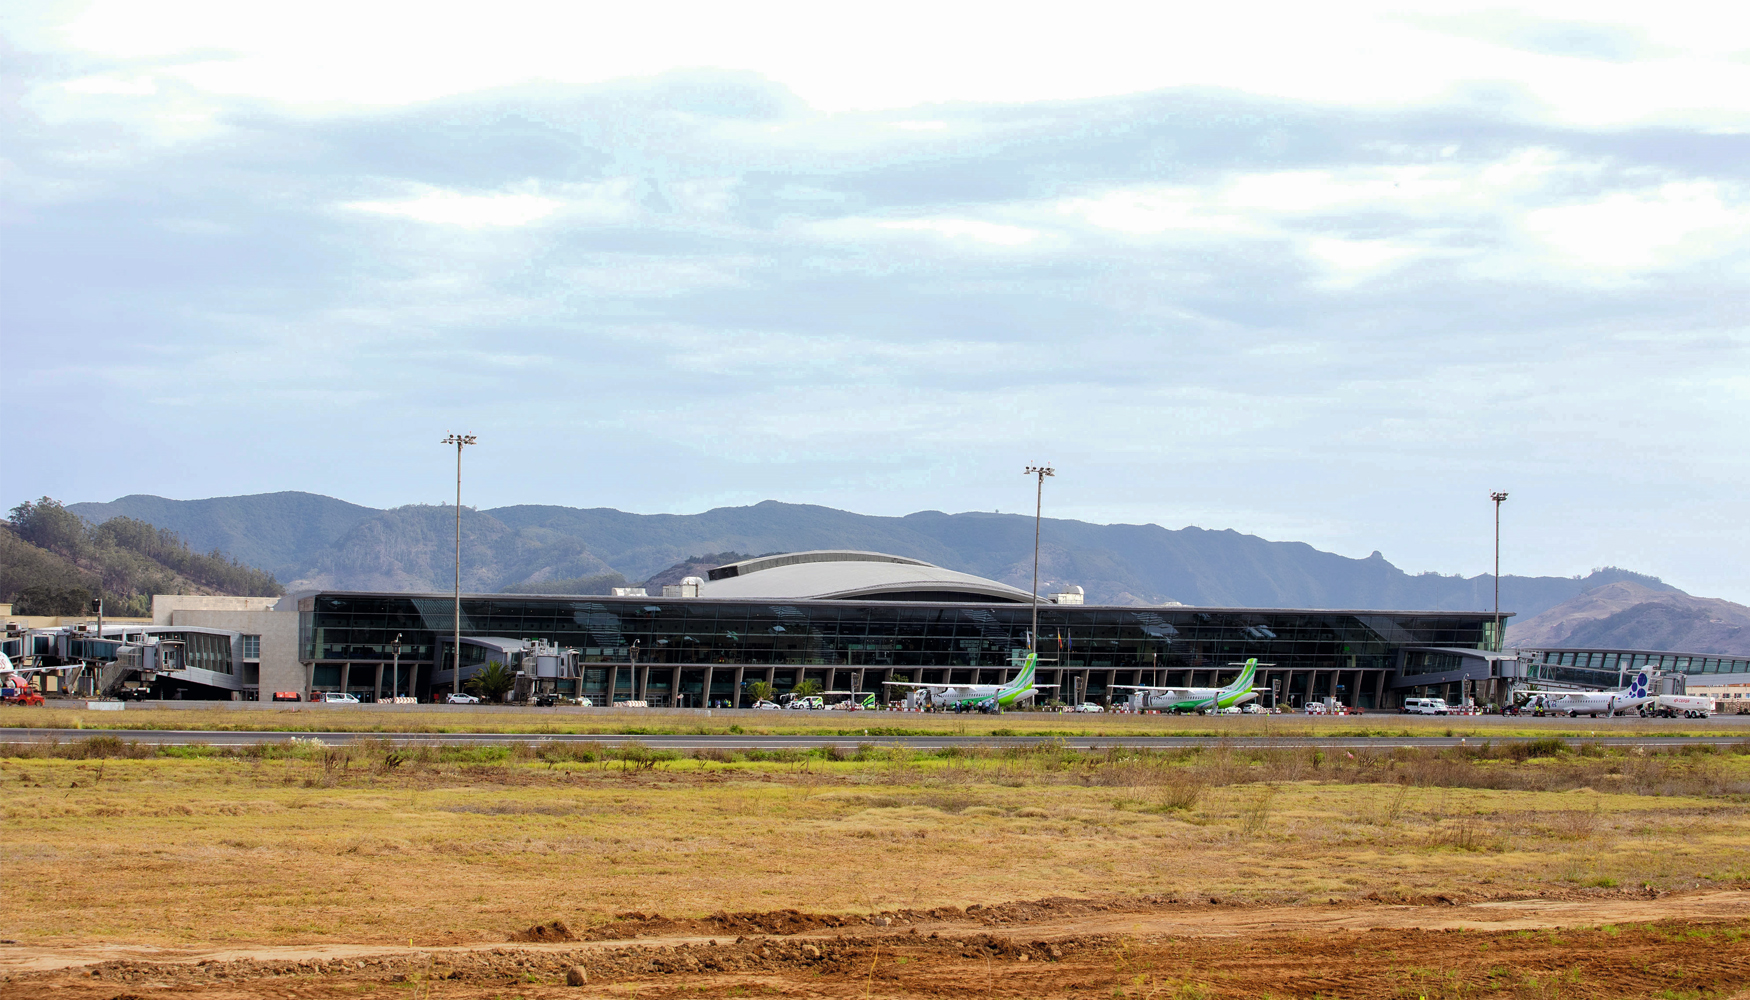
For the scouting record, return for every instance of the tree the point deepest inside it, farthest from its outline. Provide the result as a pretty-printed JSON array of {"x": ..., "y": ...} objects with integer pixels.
[
  {"x": 807, "y": 687},
  {"x": 46, "y": 600},
  {"x": 760, "y": 691},
  {"x": 492, "y": 681},
  {"x": 49, "y": 525}
]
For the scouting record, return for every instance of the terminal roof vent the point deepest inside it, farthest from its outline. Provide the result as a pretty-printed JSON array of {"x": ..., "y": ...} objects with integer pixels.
[{"x": 754, "y": 565}]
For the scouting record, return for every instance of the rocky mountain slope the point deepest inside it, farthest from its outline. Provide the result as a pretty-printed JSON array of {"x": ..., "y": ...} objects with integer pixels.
[{"x": 1627, "y": 615}]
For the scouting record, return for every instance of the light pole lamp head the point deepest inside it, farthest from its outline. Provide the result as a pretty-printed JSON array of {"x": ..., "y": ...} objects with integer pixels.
[
  {"x": 459, "y": 440},
  {"x": 1497, "y": 496},
  {"x": 1040, "y": 470}
]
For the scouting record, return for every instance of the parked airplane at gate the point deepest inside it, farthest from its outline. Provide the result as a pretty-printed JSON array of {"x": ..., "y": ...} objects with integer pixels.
[
  {"x": 1596, "y": 703},
  {"x": 1191, "y": 699},
  {"x": 982, "y": 697}
]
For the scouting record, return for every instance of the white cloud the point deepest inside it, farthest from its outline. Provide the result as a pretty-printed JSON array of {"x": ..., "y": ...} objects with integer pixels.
[
  {"x": 1641, "y": 229},
  {"x": 109, "y": 83},
  {"x": 974, "y": 229},
  {"x": 472, "y": 211},
  {"x": 844, "y": 58}
]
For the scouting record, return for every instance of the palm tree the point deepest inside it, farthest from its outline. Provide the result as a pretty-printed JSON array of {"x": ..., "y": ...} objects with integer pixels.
[
  {"x": 760, "y": 691},
  {"x": 805, "y": 688},
  {"x": 492, "y": 681}
]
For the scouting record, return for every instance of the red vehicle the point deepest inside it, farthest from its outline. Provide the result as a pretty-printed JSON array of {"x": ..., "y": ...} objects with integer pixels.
[
  {"x": 20, "y": 696},
  {"x": 287, "y": 696}
]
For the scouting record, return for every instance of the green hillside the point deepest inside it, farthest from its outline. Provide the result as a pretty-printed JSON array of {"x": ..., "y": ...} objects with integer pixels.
[{"x": 53, "y": 563}]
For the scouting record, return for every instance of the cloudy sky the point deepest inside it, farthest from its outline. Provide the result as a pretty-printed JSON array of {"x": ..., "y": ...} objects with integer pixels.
[{"x": 1318, "y": 273}]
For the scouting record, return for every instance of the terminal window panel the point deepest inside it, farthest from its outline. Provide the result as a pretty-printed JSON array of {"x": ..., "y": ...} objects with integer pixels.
[{"x": 834, "y": 634}]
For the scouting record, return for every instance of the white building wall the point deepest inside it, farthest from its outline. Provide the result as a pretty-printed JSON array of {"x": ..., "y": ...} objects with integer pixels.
[{"x": 280, "y": 667}]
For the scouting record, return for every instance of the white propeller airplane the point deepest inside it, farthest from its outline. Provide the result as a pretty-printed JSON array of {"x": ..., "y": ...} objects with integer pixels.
[
  {"x": 1596, "y": 703},
  {"x": 982, "y": 697},
  {"x": 1192, "y": 699}
]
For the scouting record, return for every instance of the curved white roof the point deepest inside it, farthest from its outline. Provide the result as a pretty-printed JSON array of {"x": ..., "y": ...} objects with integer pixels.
[{"x": 843, "y": 575}]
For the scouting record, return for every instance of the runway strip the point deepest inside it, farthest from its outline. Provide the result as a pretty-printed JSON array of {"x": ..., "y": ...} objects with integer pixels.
[{"x": 752, "y": 741}]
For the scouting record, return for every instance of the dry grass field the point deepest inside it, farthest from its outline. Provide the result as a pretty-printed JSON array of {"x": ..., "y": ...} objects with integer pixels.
[
  {"x": 253, "y": 717},
  {"x": 367, "y": 846}
]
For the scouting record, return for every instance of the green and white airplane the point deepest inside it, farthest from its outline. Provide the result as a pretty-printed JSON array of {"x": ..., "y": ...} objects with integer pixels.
[
  {"x": 1196, "y": 699},
  {"x": 982, "y": 697}
]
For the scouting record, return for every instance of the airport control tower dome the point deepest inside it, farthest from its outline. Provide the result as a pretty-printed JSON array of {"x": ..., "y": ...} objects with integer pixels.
[{"x": 847, "y": 575}]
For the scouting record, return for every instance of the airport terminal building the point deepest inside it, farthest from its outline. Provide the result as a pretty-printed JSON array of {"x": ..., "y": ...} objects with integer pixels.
[
  {"x": 849, "y": 621},
  {"x": 852, "y": 620}
]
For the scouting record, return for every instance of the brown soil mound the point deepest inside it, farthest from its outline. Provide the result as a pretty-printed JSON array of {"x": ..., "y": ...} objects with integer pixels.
[
  {"x": 1665, "y": 959},
  {"x": 542, "y": 933}
]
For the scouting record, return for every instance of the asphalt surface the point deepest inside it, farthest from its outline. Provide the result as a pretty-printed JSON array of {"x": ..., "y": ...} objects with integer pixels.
[{"x": 752, "y": 741}]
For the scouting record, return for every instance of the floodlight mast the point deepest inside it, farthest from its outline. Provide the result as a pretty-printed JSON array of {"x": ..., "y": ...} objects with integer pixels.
[
  {"x": 1039, "y": 472},
  {"x": 1498, "y": 496},
  {"x": 459, "y": 440}
]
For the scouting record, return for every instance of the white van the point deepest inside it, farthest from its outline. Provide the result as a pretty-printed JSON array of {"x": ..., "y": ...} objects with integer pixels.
[{"x": 1425, "y": 706}]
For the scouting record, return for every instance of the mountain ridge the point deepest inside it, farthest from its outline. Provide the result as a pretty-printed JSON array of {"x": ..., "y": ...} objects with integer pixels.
[
  {"x": 1627, "y": 615},
  {"x": 314, "y": 542}
]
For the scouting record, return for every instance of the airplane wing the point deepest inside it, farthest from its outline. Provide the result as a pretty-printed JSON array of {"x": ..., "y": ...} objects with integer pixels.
[{"x": 1153, "y": 690}]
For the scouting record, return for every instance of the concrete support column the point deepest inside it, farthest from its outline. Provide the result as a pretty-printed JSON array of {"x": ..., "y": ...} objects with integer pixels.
[
  {"x": 674, "y": 689},
  {"x": 309, "y": 679},
  {"x": 613, "y": 679},
  {"x": 735, "y": 699},
  {"x": 345, "y": 675},
  {"x": 772, "y": 677},
  {"x": 832, "y": 676},
  {"x": 379, "y": 695},
  {"x": 706, "y": 699},
  {"x": 643, "y": 681},
  {"x": 1111, "y": 679}
]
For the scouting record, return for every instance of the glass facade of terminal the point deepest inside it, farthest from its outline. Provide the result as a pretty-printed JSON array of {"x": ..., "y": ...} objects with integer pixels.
[
  {"x": 1605, "y": 668},
  {"x": 703, "y": 649}
]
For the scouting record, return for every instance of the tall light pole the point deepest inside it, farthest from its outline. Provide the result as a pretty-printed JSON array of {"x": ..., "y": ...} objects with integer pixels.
[
  {"x": 459, "y": 440},
  {"x": 395, "y": 682},
  {"x": 1497, "y": 496},
  {"x": 1039, "y": 472}
]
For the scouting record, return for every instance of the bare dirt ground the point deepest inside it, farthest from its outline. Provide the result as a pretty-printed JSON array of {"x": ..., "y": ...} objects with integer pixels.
[
  {"x": 1688, "y": 946},
  {"x": 302, "y": 870}
]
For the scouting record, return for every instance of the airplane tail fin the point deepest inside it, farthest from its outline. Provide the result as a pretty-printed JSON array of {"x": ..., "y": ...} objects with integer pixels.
[
  {"x": 1243, "y": 682},
  {"x": 1639, "y": 686}
]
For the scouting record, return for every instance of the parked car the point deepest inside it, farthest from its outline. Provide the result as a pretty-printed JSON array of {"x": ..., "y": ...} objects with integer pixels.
[
  {"x": 1088, "y": 706},
  {"x": 1425, "y": 706},
  {"x": 765, "y": 705},
  {"x": 805, "y": 702},
  {"x": 457, "y": 698},
  {"x": 1250, "y": 708},
  {"x": 336, "y": 698}
]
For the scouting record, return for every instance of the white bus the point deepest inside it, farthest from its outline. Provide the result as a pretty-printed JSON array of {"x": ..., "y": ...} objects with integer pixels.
[{"x": 1425, "y": 706}]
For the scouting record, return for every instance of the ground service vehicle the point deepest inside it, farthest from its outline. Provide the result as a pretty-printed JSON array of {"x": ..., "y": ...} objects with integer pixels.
[
  {"x": 336, "y": 698},
  {"x": 1425, "y": 706},
  {"x": 1689, "y": 706}
]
